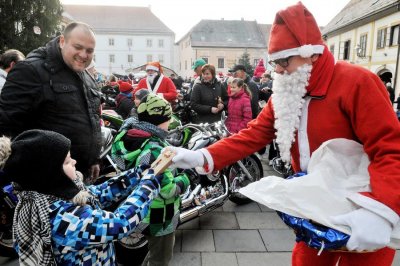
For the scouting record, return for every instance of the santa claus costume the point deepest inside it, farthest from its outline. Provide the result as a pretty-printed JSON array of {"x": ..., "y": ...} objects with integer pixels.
[
  {"x": 158, "y": 84},
  {"x": 323, "y": 101}
]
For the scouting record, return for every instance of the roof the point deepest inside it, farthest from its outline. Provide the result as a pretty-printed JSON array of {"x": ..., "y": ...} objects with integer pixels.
[
  {"x": 118, "y": 19},
  {"x": 227, "y": 33},
  {"x": 357, "y": 10},
  {"x": 266, "y": 30}
]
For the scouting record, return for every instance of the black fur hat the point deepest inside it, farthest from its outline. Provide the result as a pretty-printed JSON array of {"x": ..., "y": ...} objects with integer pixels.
[{"x": 36, "y": 163}]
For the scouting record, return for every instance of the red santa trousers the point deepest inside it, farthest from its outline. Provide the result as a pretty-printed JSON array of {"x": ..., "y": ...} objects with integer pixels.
[{"x": 305, "y": 256}]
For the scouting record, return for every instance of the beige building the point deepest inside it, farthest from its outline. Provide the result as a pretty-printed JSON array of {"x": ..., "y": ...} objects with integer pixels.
[
  {"x": 366, "y": 33},
  {"x": 221, "y": 43}
]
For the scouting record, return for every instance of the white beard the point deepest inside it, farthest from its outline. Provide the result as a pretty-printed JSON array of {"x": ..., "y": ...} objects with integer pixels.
[
  {"x": 287, "y": 98},
  {"x": 151, "y": 78}
]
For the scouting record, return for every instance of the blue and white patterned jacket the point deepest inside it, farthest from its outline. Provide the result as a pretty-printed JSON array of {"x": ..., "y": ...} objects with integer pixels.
[{"x": 83, "y": 235}]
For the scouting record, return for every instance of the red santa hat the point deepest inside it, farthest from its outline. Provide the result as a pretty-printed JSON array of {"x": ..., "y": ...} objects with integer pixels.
[
  {"x": 294, "y": 32},
  {"x": 125, "y": 87},
  {"x": 156, "y": 66}
]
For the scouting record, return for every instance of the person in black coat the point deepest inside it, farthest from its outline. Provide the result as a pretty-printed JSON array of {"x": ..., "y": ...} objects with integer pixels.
[
  {"x": 208, "y": 98},
  {"x": 52, "y": 90}
]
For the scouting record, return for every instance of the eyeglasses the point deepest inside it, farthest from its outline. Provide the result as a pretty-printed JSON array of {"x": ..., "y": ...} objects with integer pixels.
[{"x": 283, "y": 62}]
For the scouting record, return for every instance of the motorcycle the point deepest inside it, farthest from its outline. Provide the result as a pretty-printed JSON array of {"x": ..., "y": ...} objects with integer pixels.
[{"x": 207, "y": 192}]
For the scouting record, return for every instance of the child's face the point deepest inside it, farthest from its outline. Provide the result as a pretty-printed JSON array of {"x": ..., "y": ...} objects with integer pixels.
[
  {"x": 235, "y": 89},
  {"x": 69, "y": 167},
  {"x": 137, "y": 102}
]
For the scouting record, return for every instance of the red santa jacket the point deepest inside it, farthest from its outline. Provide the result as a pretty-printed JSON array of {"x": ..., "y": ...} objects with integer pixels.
[
  {"x": 355, "y": 106},
  {"x": 163, "y": 85}
]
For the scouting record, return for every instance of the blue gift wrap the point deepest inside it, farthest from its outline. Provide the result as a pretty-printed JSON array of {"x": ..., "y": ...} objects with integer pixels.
[{"x": 314, "y": 235}]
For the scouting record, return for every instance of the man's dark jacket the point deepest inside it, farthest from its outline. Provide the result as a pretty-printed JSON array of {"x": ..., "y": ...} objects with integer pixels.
[
  {"x": 43, "y": 92},
  {"x": 254, "y": 95}
]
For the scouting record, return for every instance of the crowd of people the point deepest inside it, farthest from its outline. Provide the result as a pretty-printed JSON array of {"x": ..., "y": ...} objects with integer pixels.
[{"x": 50, "y": 109}]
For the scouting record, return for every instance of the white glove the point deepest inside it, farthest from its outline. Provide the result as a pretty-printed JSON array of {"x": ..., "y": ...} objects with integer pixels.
[
  {"x": 186, "y": 159},
  {"x": 369, "y": 231}
]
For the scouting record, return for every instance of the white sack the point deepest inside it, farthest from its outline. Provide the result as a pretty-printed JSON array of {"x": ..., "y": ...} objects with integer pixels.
[{"x": 337, "y": 169}]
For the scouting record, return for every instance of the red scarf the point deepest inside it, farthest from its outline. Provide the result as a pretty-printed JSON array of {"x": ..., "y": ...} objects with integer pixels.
[{"x": 321, "y": 74}]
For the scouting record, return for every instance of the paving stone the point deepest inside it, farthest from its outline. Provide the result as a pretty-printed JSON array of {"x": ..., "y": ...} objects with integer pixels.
[
  {"x": 278, "y": 240},
  {"x": 265, "y": 208},
  {"x": 193, "y": 224},
  {"x": 229, "y": 206},
  {"x": 396, "y": 261},
  {"x": 261, "y": 220},
  {"x": 218, "y": 259},
  {"x": 238, "y": 240},
  {"x": 197, "y": 240},
  {"x": 265, "y": 259},
  {"x": 219, "y": 220},
  {"x": 186, "y": 259},
  {"x": 178, "y": 241}
]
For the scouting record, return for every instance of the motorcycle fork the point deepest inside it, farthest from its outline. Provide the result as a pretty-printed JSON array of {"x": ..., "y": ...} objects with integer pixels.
[{"x": 239, "y": 178}]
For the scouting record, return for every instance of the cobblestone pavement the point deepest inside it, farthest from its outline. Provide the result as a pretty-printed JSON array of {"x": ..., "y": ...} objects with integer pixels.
[{"x": 236, "y": 235}]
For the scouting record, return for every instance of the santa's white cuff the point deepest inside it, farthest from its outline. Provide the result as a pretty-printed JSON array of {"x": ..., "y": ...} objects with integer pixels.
[
  {"x": 209, "y": 163},
  {"x": 375, "y": 207}
]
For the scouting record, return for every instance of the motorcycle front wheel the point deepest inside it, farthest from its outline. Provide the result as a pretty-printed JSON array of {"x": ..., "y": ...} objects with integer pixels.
[
  {"x": 130, "y": 247},
  {"x": 238, "y": 179}
]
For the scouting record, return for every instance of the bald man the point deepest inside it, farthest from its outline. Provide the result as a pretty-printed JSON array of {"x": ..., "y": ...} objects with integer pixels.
[{"x": 52, "y": 90}]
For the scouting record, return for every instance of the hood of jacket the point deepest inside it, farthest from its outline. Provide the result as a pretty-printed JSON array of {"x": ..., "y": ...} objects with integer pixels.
[{"x": 51, "y": 53}]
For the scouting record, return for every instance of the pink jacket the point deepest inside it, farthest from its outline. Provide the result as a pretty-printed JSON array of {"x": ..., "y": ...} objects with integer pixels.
[{"x": 239, "y": 112}]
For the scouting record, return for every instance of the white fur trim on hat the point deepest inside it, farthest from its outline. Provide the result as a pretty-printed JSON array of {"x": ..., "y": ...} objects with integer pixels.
[
  {"x": 150, "y": 67},
  {"x": 304, "y": 51}
]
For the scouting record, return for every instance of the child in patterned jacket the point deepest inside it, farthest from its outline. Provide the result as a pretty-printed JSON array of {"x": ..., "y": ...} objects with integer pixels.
[{"x": 59, "y": 221}]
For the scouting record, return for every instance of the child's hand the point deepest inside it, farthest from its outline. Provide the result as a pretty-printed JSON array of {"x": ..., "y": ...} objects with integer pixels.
[
  {"x": 149, "y": 176},
  {"x": 141, "y": 168}
]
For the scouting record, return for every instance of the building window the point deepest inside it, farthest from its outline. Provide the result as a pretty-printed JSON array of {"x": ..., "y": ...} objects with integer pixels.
[
  {"x": 149, "y": 57},
  {"x": 111, "y": 58},
  {"x": 185, "y": 64},
  {"x": 344, "y": 52},
  {"x": 221, "y": 62},
  {"x": 363, "y": 45},
  {"x": 130, "y": 58},
  {"x": 160, "y": 43},
  {"x": 394, "y": 35},
  {"x": 161, "y": 58},
  {"x": 111, "y": 41},
  {"x": 129, "y": 42},
  {"x": 205, "y": 59},
  {"x": 149, "y": 43},
  {"x": 332, "y": 49},
  {"x": 381, "y": 40}
]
